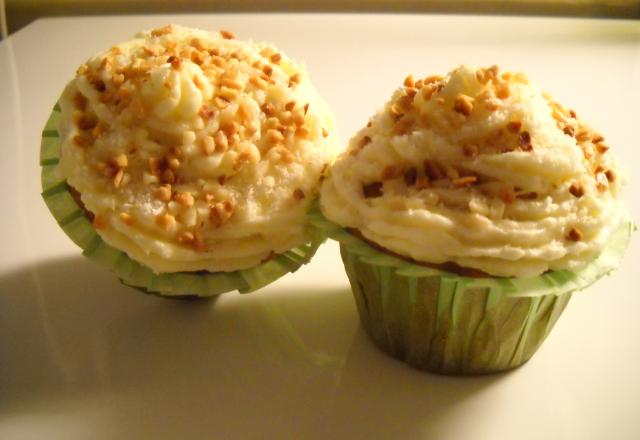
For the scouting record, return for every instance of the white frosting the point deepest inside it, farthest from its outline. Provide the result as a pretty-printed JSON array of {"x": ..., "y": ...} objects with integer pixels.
[
  {"x": 515, "y": 215},
  {"x": 164, "y": 101}
]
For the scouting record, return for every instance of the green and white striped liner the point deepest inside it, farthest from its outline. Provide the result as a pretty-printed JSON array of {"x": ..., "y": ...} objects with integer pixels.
[
  {"x": 450, "y": 324},
  {"x": 74, "y": 223}
]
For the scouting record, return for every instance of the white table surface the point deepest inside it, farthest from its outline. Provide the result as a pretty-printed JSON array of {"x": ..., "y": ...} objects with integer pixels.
[{"x": 83, "y": 357}]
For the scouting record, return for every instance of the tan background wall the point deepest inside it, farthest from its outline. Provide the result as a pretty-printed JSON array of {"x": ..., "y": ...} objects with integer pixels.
[{"x": 22, "y": 12}]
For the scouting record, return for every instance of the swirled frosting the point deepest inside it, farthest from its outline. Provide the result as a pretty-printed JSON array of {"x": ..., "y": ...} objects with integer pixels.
[
  {"x": 195, "y": 151},
  {"x": 480, "y": 169}
]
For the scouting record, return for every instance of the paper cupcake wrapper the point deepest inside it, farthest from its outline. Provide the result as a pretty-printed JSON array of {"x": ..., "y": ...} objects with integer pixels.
[
  {"x": 451, "y": 324},
  {"x": 71, "y": 218}
]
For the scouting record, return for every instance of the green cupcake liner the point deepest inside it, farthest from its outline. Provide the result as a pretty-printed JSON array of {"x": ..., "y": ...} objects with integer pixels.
[
  {"x": 450, "y": 324},
  {"x": 71, "y": 218}
]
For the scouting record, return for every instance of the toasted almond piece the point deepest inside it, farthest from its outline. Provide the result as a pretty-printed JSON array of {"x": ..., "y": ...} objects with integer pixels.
[
  {"x": 464, "y": 181},
  {"x": 166, "y": 221},
  {"x": 126, "y": 218},
  {"x": 372, "y": 190},
  {"x": 184, "y": 198},
  {"x": 422, "y": 182},
  {"x": 163, "y": 192},
  {"x": 514, "y": 126},
  {"x": 470, "y": 150},
  {"x": 574, "y": 234},
  {"x": 227, "y": 35},
  {"x": 409, "y": 81},
  {"x": 463, "y": 104},
  {"x": 117, "y": 179},
  {"x": 298, "y": 194}
]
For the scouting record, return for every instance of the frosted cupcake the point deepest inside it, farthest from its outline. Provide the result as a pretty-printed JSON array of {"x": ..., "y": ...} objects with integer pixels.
[
  {"x": 468, "y": 210},
  {"x": 186, "y": 161}
]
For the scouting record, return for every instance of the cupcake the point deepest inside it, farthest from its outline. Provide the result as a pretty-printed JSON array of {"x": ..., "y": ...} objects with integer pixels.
[
  {"x": 186, "y": 161},
  {"x": 468, "y": 211}
]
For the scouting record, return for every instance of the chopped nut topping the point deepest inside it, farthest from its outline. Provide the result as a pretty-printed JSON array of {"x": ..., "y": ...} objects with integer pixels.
[
  {"x": 395, "y": 110},
  {"x": 391, "y": 172},
  {"x": 568, "y": 130},
  {"x": 470, "y": 150},
  {"x": 231, "y": 83},
  {"x": 267, "y": 69},
  {"x": 451, "y": 172},
  {"x": 290, "y": 105},
  {"x": 208, "y": 145},
  {"x": 463, "y": 104},
  {"x": 409, "y": 81},
  {"x": 126, "y": 218},
  {"x": 221, "y": 212},
  {"x": 229, "y": 127},
  {"x": 163, "y": 193},
  {"x": 464, "y": 181},
  {"x": 492, "y": 72},
  {"x": 227, "y": 35},
  {"x": 99, "y": 222},
  {"x": 610, "y": 175},
  {"x": 274, "y": 136},
  {"x": 403, "y": 125},
  {"x": 206, "y": 112},
  {"x": 602, "y": 148},
  {"x": 507, "y": 195},
  {"x": 117, "y": 179},
  {"x": 431, "y": 79},
  {"x": 583, "y": 135},
  {"x": 184, "y": 198},
  {"x": 121, "y": 160},
  {"x": 372, "y": 190},
  {"x": 503, "y": 91},
  {"x": 220, "y": 102},
  {"x": 601, "y": 181},
  {"x": 525, "y": 141},
  {"x": 173, "y": 162},
  {"x": 302, "y": 132},
  {"x": 574, "y": 235},
  {"x": 186, "y": 237},
  {"x": 161, "y": 31},
  {"x": 410, "y": 176},
  {"x": 528, "y": 195},
  {"x": 80, "y": 101},
  {"x": 175, "y": 62},
  {"x": 514, "y": 126},
  {"x": 168, "y": 176},
  {"x": 294, "y": 79},
  {"x": 576, "y": 190},
  {"x": 298, "y": 117},
  {"x": 422, "y": 182},
  {"x": 597, "y": 138},
  {"x": 275, "y": 58},
  {"x": 268, "y": 109},
  {"x": 433, "y": 170},
  {"x": 298, "y": 194}
]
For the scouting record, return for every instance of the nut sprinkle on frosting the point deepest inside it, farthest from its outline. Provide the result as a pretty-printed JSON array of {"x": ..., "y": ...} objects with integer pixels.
[
  {"x": 481, "y": 169},
  {"x": 197, "y": 151}
]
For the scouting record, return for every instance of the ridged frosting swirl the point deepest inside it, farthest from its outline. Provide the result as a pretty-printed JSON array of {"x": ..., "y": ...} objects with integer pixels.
[
  {"x": 480, "y": 169},
  {"x": 195, "y": 151}
]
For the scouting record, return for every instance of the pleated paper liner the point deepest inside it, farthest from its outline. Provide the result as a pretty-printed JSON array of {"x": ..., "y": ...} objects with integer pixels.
[
  {"x": 450, "y": 324},
  {"x": 73, "y": 221}
]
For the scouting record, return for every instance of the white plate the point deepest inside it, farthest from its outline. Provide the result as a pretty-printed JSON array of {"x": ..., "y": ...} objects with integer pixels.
[{"x": 81, "y": 356}]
